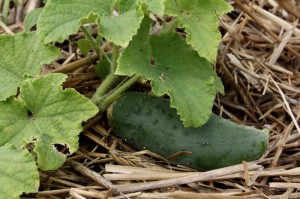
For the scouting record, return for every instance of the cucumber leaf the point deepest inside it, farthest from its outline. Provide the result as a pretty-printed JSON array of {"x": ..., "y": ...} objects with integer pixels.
[
  {"x": 32, "y": 18},
  {"x": 59, "y": 19},
  {"x": 85, "y": 46},
  {"x": 155, "y": 6},
  {"x": 22, "y": 55},
  {"x": 45, "y": 115},
  {"x": 18, "y": 171},
  {"x": 103, "y": 68},
  {"x": 200, "y": 20},
  {"x": 175, "y": 69},
  {"x": 121, "y": 28}
]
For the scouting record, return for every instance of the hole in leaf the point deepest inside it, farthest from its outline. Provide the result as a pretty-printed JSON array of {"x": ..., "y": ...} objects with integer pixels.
[
  {"x": 30, "y": 114},
  {"x": 152, "y": 62},
  {"x": 62, "y": 148},
  {"x": 169, "y": 19},
  {"x": 30, "y": 146}
]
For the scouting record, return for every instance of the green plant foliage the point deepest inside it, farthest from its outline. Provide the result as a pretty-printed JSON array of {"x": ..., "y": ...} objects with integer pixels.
[
  {"x": 45, "y": 115},
  {"x": 174, "y": 69},
  {"x": 85, "y": 46},
  {"x": 154, "y": 6},
  {"x": 103, "y": 68},
  {"x": 22, "y": 55},
  {"x": 59, "y": 19},
  {"x": 120, "y": 29},
  {"x": 200, "y": 20},
  {"x": 18, "y": 171},
  {"x": 32, "y": 18}
]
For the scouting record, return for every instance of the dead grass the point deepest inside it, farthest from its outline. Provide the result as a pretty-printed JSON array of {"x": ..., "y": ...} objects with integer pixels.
[{"x": 259, "y": 62}]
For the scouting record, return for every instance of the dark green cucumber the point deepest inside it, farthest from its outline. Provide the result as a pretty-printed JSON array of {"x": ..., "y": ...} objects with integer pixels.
[{"x": 149, "y": 122}]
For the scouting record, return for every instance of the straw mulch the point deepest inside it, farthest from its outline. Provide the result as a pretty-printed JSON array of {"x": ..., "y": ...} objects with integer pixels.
[{"x": 259, "y": 63}]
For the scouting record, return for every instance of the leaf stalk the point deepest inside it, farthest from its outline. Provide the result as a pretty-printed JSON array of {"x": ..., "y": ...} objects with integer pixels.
[
  {"x": 112, "y": 97},
  {"x": 109, "y": 80}
]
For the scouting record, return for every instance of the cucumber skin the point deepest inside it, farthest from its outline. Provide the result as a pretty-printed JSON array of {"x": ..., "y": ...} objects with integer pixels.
[{"x": 149, "y": 122}]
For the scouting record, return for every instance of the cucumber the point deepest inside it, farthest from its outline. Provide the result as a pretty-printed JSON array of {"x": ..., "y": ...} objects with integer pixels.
[{"x": 149, "y": 122}]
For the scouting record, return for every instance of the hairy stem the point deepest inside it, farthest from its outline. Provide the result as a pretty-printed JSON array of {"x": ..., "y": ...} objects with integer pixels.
[
  {"x": 96, "y": 46},
  {"x": 99, "y": 51},
  {"x": 113, "y": 96},
  {"x": 109, "y": 80}
]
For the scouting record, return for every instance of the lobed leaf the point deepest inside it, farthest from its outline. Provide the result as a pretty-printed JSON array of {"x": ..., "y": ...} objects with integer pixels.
[
  {"x": 22, "y": 56},
  {"x": 120, "y": 29},
  {"x": 18, "y": 171},
  {"x": 175, "y": 69},
  {"x": 200, "y": 20},
  {"x": 46, "y": 115},
  {"x": 59, "y": 19},
  {"x": 155, "y": 6}
]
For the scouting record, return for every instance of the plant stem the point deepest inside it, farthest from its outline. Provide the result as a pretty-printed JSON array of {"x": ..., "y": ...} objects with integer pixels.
[
  {"x": 109, "y": 80},
  {"x": 96, "y": 46},
  {"x": 102, "y": 89},
  {"x": 116, "y": 54},
  {"x": 112, "y": 97}
]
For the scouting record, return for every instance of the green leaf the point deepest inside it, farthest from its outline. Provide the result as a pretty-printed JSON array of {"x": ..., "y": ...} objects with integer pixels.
[
  {"x": 46, "y": 115},
  {"x": 18, "y": 171},
  {"x": 32, "y": 18},
  {"x": 85, "y": 46},
  {"x": 103, "y": 68},
  {"x": 175, "y": 69},
  {"x": 200, "y": 20},
  {"x": 155, "y": 6},
  {"x": 22, "y": 56},
  {"x": 59, "y": 19},
  {"x": 120, "y": 29}
]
